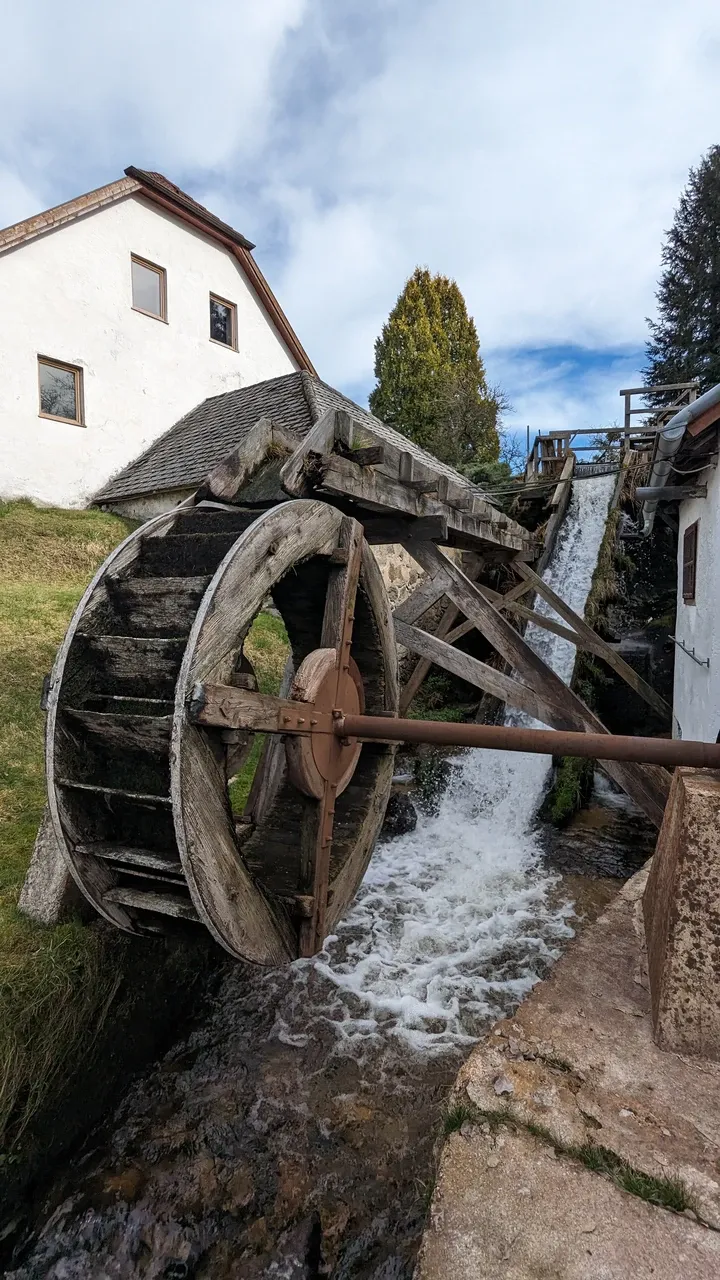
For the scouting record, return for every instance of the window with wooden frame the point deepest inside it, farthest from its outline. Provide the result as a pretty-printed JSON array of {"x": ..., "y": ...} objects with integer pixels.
[
  {"x": 61, "y": 391},
  {"x": 223, "y": 321},
  {"x": 689, "y": 562},
  {"x": 149, "y": 288}
]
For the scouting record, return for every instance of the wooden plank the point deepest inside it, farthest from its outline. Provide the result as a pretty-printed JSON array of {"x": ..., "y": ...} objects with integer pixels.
[
  {"x": 647, "y": 784},
  {"x": 227, "y": 478},
  {"x": 599, "y": 647},
  {"x": 342, "y": 585},
  {"x": 163, "y": 607},
  {"x": 137, "y": 797},
  {"x": 442, "y": 630},
  {"x": 144, "y": 858},
  {"x": 224, "y": 706},
  {"x": 370, "y": 457},
  {"x": 319, "y": 440},
  {"x": 564, "y": 481},
  {"x": 426, "y": 594},
  {"x": 130, "y": 662},
  {"x": 487, "y": 678},
  {"x": 379, "y": 492},
  {"x": 393, "y": 529},
  {"x": 166, "y": 904},
  {"x": 126, "y": 733}
]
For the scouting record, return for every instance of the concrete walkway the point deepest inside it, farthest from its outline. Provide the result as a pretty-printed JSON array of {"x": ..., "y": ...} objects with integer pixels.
[{"x": 573, "y": 1081}]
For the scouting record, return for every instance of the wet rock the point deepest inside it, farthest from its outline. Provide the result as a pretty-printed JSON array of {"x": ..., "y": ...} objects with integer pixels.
[{"x": 400, "y": 816}]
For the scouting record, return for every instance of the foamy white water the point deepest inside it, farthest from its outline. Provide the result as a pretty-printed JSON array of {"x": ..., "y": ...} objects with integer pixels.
[{"x": 453, "y": 922}]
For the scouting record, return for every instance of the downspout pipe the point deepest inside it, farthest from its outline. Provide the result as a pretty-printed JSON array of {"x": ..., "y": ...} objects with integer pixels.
[{"x": 669, "y": 441}]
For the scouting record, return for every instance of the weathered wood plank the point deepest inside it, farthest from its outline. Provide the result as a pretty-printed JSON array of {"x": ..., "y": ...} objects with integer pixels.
[
  {"x": 379, "y": 492},
  {"x": 126, "y": 733},
  {"x": 163, "y": 607},
  {"x": 426, "y": 594},
  {"x": 165, "y": 904},
  {"x": 319, "y": 440},
  {"x": 393, "y": 529},
  {"x": 596, "y": 644},
  {"x": 442, "y": 631},
  {"x": 228, "y": 478},
  {"x": 129, "y": 663},
  {"x": 143, "y": 858},
  {"x": 487, "y": 678}
]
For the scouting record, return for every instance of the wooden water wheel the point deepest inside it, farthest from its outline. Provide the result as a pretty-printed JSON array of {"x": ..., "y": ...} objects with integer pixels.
[{"x": 138, "y": 790}]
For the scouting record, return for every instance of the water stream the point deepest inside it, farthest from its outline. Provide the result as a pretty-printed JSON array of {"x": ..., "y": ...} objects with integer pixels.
[{"x": 291, "y": 1134}]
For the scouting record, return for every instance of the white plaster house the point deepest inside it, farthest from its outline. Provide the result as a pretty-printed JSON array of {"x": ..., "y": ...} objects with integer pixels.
[
  {"x": 685, "y": 468},
  {"x": 119, "y": 311}
]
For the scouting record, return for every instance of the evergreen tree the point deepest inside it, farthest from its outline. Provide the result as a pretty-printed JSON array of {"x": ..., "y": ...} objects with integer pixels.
[
  {"x": 430, "y": 377},
  {"x": 685, "y": 339}
]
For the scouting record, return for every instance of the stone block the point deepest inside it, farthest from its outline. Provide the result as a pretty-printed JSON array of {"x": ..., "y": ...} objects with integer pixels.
[
  {"x": 681, "y": 908},
  {"x": 49, "y": 894}
]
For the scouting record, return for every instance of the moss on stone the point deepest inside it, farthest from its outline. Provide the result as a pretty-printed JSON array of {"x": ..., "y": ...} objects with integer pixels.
[{"x": 570, "y": 790}]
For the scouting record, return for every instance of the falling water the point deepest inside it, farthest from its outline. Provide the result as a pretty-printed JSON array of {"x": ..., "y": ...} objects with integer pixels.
[{"x": 454, "y": 921}]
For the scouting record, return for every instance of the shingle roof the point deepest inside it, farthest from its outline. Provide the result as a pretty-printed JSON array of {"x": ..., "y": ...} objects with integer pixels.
[{"x": 183, "y": 456}]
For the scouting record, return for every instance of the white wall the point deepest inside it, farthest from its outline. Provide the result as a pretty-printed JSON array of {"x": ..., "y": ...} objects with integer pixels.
[
  {"x": 67, "y": 295},
  {"x": 696, "y": 701}
]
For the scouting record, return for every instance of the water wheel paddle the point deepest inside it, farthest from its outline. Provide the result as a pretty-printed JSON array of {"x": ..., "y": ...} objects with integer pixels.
[{"x": 138, "y": 788}]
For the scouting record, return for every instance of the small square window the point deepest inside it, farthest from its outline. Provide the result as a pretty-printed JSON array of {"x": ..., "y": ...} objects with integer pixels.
[
  {"x": 149, "y": 291},
  {"x": 60, "y": 391},
  {"x": 223, "y": 322}
]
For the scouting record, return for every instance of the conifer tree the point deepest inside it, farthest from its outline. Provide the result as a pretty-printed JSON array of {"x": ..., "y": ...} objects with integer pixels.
[
  {"x": 430, "y": 378},
  {"x": 685, "y": 339}
]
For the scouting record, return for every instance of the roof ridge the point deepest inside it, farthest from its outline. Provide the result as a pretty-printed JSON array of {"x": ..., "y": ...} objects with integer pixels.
[{"x": 57, "y": 216}]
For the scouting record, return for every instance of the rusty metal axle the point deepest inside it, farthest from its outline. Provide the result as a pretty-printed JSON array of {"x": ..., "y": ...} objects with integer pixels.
[
  {"x": 594, "y": 746},
  {"x": 231, "y": 708}
]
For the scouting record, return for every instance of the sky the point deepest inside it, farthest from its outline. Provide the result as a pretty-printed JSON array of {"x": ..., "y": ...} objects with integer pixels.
[{"x": 535, "y": 150}]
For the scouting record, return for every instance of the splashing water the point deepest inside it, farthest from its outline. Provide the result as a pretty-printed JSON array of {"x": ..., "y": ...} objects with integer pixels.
[{"x": 454, "y": 922}]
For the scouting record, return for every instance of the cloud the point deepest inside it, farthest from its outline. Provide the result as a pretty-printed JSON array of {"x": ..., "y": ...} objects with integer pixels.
[{"x": 533, "y": 151}]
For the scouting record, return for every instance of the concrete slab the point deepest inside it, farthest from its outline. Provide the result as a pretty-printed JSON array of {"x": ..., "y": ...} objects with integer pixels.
[
  {"x": 579, "y": 1061},
  {"x": 682, "y": 917},
  {"x": 507, "y": 1208},
  {"x": 49, "y": 893}
]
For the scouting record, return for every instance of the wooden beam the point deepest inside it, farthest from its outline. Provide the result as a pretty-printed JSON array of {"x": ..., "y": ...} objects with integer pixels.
[
  {"x": 374, "y": 489},
  {"x": 599, "y": 647},
  {"x": 425, "y": 595},
  {"x": 487, "y": 678},
  {"x": 387, "y": 529},
  {"x": 647, "y": 784},
  {"x": 420, "y": 672}
]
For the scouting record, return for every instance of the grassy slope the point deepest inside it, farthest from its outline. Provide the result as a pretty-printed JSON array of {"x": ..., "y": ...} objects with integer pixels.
[
  {"x": 53, "y": 985},
  {"x": 56, "y": 985}
]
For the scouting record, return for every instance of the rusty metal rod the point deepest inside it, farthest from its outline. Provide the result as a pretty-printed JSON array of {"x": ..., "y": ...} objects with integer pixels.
[{"x": 555, "y": 742}]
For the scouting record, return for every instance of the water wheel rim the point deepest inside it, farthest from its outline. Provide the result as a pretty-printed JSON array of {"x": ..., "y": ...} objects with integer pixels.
[{"x": 241, "y": 917}]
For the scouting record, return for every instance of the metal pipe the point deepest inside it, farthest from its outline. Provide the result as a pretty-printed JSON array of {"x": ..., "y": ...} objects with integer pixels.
[
  {"x": 595, "y": 746},
  {"x": 669, "y": 441}
]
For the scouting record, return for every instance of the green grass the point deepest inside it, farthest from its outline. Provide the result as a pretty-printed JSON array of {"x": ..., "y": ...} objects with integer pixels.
[
  {"x": 268, "y": 649},
  {"x": 54, "y": 986},
  {"x": 668, "y": 1193}
]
